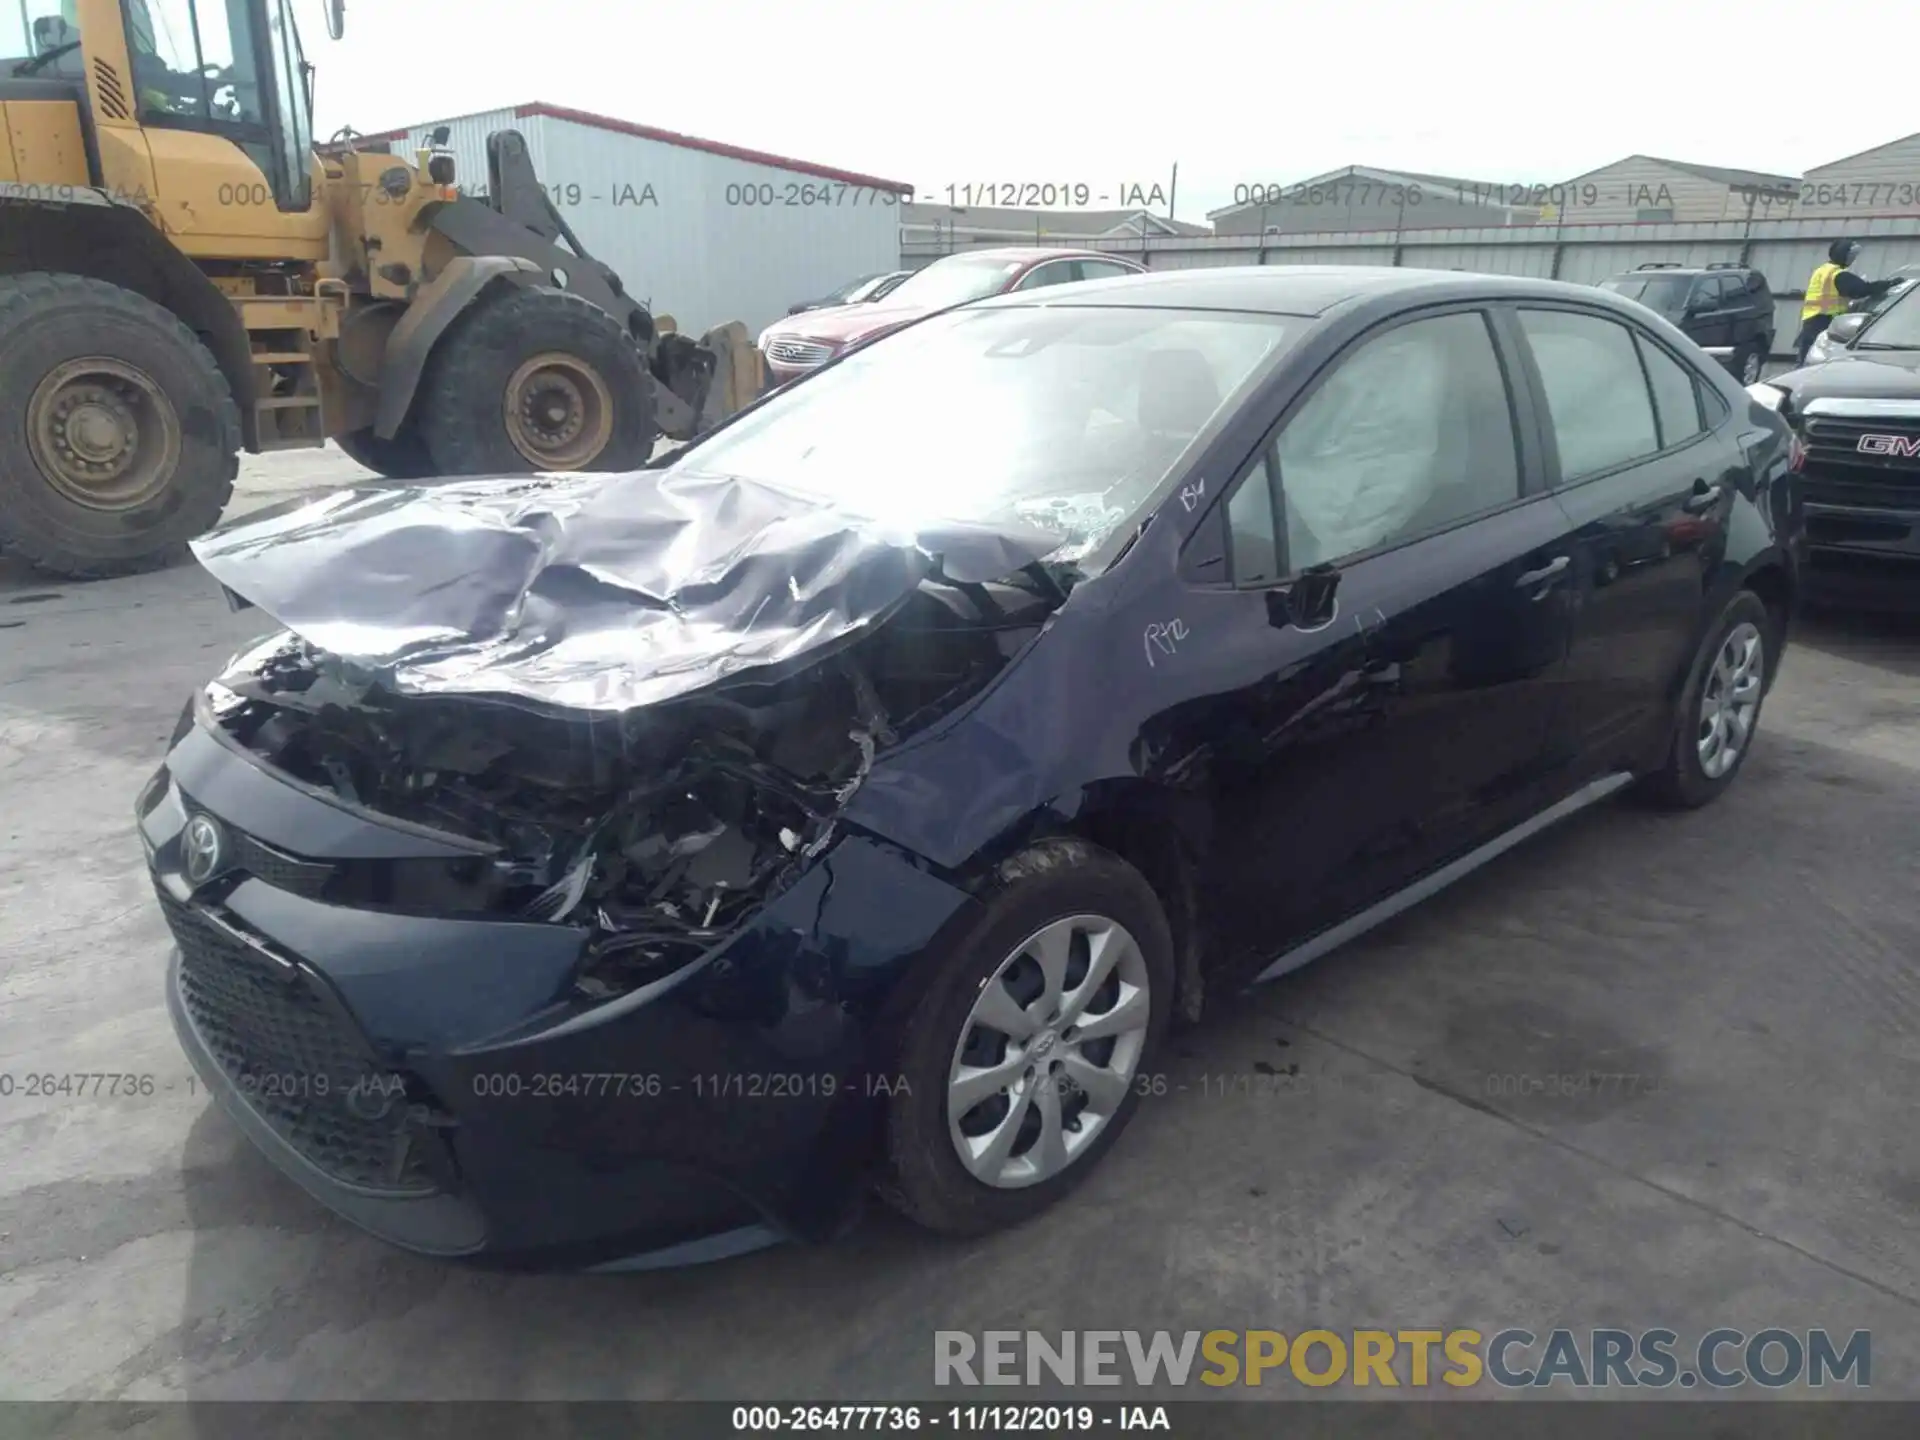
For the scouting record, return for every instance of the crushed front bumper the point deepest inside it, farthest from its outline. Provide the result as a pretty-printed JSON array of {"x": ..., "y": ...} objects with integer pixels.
[{"x": 440, "y": 1082}]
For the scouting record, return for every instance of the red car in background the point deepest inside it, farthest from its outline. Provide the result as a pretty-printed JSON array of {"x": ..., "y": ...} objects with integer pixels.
[{"x": 800, "y": 343}]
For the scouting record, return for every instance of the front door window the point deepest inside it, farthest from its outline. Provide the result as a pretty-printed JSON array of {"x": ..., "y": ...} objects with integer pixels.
[
  {"x": 194, "y": 63},
  {"x": 295, "y": 135}
]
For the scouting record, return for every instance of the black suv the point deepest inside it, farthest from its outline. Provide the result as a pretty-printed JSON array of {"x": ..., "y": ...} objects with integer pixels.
[{"x": 1725, "y": 309}]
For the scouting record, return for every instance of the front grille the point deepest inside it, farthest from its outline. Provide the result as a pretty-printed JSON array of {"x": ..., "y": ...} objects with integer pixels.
[
  {"x": 799, "y": 352},
  {"x": 280, "y": 870},
  {"x": 295, "y": 1059},
  {"x": 1837, "y": 471}
]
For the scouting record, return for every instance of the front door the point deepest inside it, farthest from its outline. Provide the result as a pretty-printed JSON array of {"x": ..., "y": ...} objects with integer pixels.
[
  {"x": 1710, "y": 312},
  {"x": 1408, "y": 722}
]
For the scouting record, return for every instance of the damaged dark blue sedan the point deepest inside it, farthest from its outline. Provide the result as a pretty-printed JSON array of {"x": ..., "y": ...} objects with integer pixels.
[{"x": 608, "y": 871}]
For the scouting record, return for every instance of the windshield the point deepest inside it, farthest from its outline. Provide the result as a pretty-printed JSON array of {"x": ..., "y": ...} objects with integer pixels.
[
  {"x": 1885, "y": 302},
  {"x": 955, "y": 279},
  {"x": 1895, "y": 328},
  {"x": 34, "y": 27},
  {"x": 1664, "y": 293},
  {"x": 1066, "y": 418},
  {"x": 865, "y": 290},
  {"x": 852, "y": 288}
]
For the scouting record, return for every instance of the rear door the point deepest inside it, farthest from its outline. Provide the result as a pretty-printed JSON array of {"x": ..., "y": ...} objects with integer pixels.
[
  {"x": 1755, "y": 324},
  {"x": 1641, "y": 457},
  {"x": 1410, "y": 724},
  {"x": 1712, "y": 324}
]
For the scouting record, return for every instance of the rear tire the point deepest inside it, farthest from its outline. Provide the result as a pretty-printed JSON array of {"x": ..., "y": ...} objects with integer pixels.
[
  {"x": 1753, "y": 360},
  {"x": 534, "y": 379},
  {"x": 1691, "y": 775},
  {"x": 404, "y": 457},
  {"x": 1058, "y": 887},
  {"x": 119, "y": 436}
]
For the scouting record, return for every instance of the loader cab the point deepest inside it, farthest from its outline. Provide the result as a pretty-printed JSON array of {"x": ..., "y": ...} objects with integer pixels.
[
  {"x": 233, "y": 70},
  {"x": 203, "y": 105}
]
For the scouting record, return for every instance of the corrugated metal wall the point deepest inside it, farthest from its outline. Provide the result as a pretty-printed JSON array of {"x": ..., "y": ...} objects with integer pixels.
[
  {"x": 1352, "y": 204},
  {"x": 1785, "y": 251},
  {"x": 468, "y": 141},
  {"x": 686, "y": 229}
]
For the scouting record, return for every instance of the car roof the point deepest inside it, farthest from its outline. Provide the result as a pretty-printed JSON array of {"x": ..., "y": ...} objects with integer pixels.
[
  {"x": 1293, "y": 289},
  {"x": 1682, "y": 270},
  {"x": 1005, "y": 253}
]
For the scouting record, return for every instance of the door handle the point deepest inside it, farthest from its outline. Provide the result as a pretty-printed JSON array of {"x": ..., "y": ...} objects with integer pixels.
[
  {"x": 1545, "y": 575},
  {"x": 1703, "y": 498}
]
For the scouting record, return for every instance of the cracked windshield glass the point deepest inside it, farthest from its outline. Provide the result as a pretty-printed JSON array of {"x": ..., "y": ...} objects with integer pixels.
[{"x": 1065, "y": 417}]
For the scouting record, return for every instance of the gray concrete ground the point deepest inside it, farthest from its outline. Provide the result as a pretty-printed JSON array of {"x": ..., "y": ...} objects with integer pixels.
[{"x": 1756, "y": 966}]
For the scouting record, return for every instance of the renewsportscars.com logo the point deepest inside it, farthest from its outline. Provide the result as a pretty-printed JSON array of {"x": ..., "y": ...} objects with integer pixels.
[{"x": 1656, "y": 1359}]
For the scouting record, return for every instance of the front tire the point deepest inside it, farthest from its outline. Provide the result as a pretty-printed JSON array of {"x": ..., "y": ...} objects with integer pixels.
[
  {"x": 1719, "y": 709},
  {"x": 119, "y": 436},
  {"x": 1022, "y": 1054},
  {"x": 534, "y": 379},
  {"x": 404, "y": 457}
]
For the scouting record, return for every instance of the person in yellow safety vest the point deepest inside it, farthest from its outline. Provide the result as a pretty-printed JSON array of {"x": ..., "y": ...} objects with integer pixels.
[{"x": 1830, "y": 289}]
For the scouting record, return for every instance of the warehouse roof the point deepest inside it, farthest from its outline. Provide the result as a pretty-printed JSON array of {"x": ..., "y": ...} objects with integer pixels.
[
  {"x": 1719, "y": 174},
  {"x": 1862, "y": 154},
  {"x": 674, "y": 137}
]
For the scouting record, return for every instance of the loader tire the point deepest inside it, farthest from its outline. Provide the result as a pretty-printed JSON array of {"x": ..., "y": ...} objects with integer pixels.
[
  {"x": 533, "y": 379},
  {"x": 119, "y": 436},
  {"x": 404, "y": 457}
]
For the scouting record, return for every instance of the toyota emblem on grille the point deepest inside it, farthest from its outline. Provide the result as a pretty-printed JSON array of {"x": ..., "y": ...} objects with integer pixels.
[{"x": 203, "y": 849}]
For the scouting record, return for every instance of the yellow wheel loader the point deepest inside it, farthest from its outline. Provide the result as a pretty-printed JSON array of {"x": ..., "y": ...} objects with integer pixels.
[{"x": 184, "y": 275}]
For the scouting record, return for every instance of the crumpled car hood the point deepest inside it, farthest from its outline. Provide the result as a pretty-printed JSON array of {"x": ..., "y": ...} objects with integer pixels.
[{"x": 592, "y": 592}]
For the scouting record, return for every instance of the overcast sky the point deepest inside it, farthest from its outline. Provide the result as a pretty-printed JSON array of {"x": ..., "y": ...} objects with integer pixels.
[{"x": 932, "y": 92}]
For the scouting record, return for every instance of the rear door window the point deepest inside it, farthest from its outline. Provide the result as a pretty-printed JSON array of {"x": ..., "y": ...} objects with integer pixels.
[
  {"x": 1597, "y": 396},
  {"x": 1676, "y": 395},
  {"x": 1053, "y": 272}
]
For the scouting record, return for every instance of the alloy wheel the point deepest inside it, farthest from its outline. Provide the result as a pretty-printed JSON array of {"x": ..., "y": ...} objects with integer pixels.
[
  {"x": 1048, "y": 1052},
  {"x": 1750, "y": 368},
  {"x": 1730, "y": 699}
]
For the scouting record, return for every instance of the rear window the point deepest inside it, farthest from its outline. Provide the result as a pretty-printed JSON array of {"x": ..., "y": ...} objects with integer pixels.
[{"x": 1660, "y": 290}]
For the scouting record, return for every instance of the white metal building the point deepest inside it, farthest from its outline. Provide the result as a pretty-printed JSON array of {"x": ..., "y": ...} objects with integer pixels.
[{"x": 699, "y": 230}]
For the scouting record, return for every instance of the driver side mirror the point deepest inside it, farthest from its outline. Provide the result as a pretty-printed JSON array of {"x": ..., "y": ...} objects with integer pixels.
[
  {"x": 1845, "y": 328},
  {"x": 1309, "y": 603}
]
